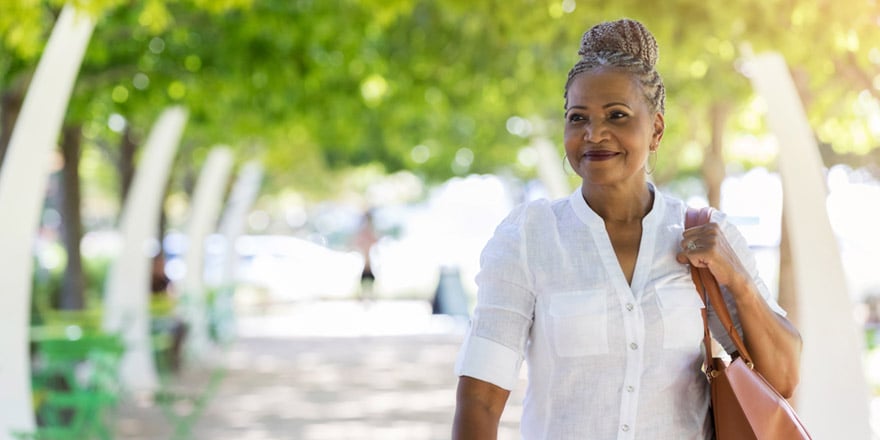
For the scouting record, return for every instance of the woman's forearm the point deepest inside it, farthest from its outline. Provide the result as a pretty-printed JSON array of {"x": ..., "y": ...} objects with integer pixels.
[
  {"x": 474, "y": 423},
  {"x": 478, "y": 409},
  {"x": 773, "y": 342}
]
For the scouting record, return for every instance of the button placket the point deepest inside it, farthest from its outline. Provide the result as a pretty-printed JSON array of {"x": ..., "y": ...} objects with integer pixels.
[{"x": 634, "y": 333}]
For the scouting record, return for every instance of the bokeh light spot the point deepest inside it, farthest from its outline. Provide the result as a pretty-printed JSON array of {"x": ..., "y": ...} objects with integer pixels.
[
  {"x": 157, "y": 45},
  {"x": 119, "y": 94},
  {"x": 116, "y": 122},
  {"x": 176, "y": 90},
  {"x": 420, "y": 153},
  {"x": 140, "y": 81},
  {"x": 193, "y": 63},
  {"x": 373, "y": 89}
]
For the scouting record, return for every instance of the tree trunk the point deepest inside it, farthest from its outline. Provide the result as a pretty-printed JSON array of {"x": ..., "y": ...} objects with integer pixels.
[
  {"x": 73, "y": 290},
  {"x": 713, "y": 162},
  {"x": 787, "y": 292},
  {"x": 787, "y": 297},
  {"x": 125, "y": 163},
  {"x": 801, "y": 78},
  {"x": 10, "y": 105},
  {"x": 849, "y": 68}
]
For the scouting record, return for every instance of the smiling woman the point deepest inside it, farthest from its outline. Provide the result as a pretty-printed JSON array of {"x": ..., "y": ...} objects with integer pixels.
[
  {"x": 610, "y": 129},
  {"x": 593, "y": 290}
]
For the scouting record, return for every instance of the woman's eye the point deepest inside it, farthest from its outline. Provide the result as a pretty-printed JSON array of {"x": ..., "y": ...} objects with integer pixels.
[
  {"x": 574, "y": 117},
  {"x": 617, "y": 115}
]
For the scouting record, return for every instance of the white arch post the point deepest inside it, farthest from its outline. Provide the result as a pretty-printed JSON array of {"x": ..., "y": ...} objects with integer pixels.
[
  {"x": 232, "y": 224},
  {"x": 204, "y": 211},
  {"x": 23, "y": 182},
  {"x": 551, "y": 169},
  {"x": 127, "y": 290},
  {"x": 241, "y": 198},
  {"x": 832, "y": 398}
]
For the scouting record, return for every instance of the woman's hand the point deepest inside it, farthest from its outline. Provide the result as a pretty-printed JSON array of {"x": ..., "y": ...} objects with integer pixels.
[
  {"x": 775, "y": 345},
  {"x": 706, "y": 246}
]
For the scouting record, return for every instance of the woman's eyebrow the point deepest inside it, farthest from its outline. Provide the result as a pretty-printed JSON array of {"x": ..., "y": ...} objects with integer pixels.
[{"x": 612, "y": 104}]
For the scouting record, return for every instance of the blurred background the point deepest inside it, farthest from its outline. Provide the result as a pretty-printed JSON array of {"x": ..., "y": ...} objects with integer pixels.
[{"x": 394, "y": 135}]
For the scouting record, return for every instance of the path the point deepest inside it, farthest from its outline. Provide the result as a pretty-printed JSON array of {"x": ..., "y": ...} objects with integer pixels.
[{"x": 335, "y": 370}]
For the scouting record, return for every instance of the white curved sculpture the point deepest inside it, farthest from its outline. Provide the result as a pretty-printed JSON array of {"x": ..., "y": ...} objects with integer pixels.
[
  {"x": 551, "y": 169},
  {"x": 204, "y": 211},
  {"x": 242, "y": 196},
  {"x": 232, "y": 225},
  {"x": 127, "y": 290},
  {"x": 23, "y": 182},
  {"x": 832, "y": 398}
]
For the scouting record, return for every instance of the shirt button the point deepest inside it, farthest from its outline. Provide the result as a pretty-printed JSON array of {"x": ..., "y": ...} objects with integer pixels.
[
  {"x": 625, "y": 427},
  {"x": 634, "y": 346},
  {"x": 629, "y": 306},
  {"x": 630, "y": 388}
]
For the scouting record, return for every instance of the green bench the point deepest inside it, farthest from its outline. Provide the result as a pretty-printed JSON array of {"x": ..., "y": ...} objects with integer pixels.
[{"x": 75, "y": 382}]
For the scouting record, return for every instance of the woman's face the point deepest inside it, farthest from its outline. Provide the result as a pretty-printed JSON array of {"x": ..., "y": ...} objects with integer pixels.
[{"x": 609, "y": 128}]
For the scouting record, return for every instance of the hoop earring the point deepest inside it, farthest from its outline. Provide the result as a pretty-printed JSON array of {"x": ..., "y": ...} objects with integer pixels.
[
  {"x": 565, "y": 161},
  {"x": 651, "y": 163}
]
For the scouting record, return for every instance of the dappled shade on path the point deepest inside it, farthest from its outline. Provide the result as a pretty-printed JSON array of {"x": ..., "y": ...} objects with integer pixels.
[{"x": 308, "y": 387}]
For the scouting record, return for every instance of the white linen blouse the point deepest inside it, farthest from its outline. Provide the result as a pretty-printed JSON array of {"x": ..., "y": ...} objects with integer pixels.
[{"x": 606, "y": 360}]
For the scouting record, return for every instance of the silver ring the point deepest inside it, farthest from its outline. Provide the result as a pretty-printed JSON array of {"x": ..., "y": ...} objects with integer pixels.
[{"x": 692, "y": 245}]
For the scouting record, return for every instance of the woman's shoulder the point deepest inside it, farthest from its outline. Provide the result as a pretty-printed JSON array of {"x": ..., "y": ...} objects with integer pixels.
[
  {"x": 675, "y": 207},
  {"x": 525, "y": 220},
  {"x": 671, "y": 202},
  {"x": 538, "y": 210}
]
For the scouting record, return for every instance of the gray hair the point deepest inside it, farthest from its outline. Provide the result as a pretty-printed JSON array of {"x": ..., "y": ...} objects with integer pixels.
[{"x": 625, "y": 45}]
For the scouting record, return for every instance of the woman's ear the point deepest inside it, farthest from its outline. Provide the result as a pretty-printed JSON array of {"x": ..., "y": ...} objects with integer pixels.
[{"x": 659, "y": 126}]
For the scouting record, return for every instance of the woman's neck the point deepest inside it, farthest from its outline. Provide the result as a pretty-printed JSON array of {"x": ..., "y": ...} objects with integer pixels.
[{"x": 619, "y": 204}]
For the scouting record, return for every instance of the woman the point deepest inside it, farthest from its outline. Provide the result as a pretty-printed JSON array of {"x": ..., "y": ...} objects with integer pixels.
[{"x": 594, "y": 291}]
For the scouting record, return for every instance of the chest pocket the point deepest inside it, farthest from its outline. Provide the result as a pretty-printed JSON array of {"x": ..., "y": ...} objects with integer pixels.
[
  {"x": 682, "y": 317},
  {"x": 579, "y": 323}
]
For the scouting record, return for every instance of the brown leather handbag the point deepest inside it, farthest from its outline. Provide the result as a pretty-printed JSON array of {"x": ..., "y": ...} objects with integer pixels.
[{"x": 744, "y": 405}]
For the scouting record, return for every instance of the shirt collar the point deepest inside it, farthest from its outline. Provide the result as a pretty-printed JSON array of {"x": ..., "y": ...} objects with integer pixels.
[{"x": 590, "y": 218}]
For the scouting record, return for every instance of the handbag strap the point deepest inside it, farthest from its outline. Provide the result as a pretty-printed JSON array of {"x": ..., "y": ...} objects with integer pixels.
[{"x": 710, "y": 293}]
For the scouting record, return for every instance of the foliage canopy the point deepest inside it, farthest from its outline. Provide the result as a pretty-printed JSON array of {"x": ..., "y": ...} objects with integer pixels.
[{"x": 431, "y": 86}]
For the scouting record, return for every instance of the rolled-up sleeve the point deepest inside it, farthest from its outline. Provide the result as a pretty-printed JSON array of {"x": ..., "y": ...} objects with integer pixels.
[
  {"x": 494, "y": 346},
  {"x": 740, "y": 246}
]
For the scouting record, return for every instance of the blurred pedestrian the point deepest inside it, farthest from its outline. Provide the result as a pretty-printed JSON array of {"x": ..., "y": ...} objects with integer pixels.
[
  {"x": 364, "y": 240},
  {"x": 594, "y": 292},
  {"x": 165, "y": 320}
]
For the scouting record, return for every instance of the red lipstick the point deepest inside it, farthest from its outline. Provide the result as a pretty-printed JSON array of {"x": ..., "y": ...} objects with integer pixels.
[{"x": 600, "y": 155}]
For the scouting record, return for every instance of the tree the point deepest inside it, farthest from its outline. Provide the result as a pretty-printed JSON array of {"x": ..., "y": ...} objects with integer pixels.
[{"x": 424, "y": 85}]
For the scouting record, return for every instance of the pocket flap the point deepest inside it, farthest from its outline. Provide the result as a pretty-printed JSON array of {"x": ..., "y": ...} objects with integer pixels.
[
  {"x": 584, "y": 302},
  {"x": 679, "y": 297}
]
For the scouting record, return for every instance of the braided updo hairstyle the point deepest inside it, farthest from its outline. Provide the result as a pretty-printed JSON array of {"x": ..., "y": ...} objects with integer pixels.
[{"x": 625, "y": 45}]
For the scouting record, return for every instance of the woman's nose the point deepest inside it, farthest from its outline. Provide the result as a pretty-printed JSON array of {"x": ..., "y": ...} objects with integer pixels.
[{"x": 595, "y": 132}]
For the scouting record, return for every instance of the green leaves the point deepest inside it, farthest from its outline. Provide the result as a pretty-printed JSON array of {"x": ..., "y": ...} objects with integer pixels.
[{"x": 415, "y": 83}]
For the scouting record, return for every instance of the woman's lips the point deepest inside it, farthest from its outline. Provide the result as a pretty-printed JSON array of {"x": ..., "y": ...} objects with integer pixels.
[{"x": 600, "y": 155}]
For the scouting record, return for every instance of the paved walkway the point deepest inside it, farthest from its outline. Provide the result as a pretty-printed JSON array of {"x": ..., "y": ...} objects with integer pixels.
[{"x": 332, "y": 370}]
